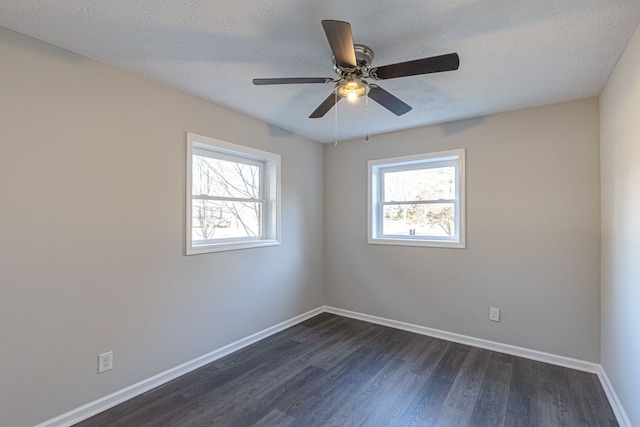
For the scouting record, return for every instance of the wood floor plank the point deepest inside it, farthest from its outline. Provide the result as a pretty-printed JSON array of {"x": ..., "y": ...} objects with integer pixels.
[
  {"x": 362, "y": 404},
  {"x": 338, "y": 397},
  {"x": 424, "y": 409},
  {"x": 315, "y": 393},
  {"x": 344, "y": 348},
  {"x": 416, "y": 347},
  {"x": 345, "y": 379},
  {"x": 553, "y": 401},
  {"x": 275, "y": 418},
  {"x": 522, "y": 395},
  {"x": 393, "y": 405},
  {"x": 429, "y": 359},
  {"x": 334, "y": 328},
  {"x": 318, "y": 320},
  {"x": 336, "y": 371},
  {"x": 254, "y": 409},
  {"x": 247, "y": 354},
  {"x": 390, "y": 407},
  {"x": 589, "y": 399},
  {"x": 491, "y": 406},
  {"x": 459, "y": 403},
  {"x": 239, "y": 372}
]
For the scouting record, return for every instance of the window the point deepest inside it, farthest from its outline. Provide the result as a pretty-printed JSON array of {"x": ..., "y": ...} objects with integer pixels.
[
  {"x": 417, "y": 200},
  {"x": 232, "y": 196}
]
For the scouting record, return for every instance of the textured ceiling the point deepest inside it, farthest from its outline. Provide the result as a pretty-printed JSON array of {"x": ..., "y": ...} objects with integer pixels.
[{"x": 513, "y": 53}]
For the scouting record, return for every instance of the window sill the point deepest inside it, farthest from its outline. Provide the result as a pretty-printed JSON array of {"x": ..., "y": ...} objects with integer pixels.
[
  {"x": 234, "y": 246},
  {"x": 417, "y": 242}
]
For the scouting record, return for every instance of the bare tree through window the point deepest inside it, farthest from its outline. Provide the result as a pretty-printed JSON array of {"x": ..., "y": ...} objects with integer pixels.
[
  {"x": 420, "y": 202},
  {"x": 227, "y": 200}
]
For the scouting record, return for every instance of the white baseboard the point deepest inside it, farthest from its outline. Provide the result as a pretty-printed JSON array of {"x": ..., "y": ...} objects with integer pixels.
[
  {"x": 540, "y": 356},
  {"x": 92, "y": 408},
  {"x": 526, "y": 353},
  {"x": 616, "y": 405}
]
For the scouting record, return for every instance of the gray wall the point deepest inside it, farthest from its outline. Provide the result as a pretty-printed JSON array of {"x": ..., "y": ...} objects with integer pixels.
[
  {"x": 533, "y": 239},
  {"x": 620, "y": 160},
  {"x": 92, "y": 187}
]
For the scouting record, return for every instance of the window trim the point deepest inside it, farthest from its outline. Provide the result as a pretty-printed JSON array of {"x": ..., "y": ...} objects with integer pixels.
[
  {"x": 376, "y": 168},
  {"x": 270, "y": 165}
]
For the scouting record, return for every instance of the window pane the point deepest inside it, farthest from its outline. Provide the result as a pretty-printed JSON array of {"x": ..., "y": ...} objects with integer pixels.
[
  {"x": 420, "y": 184},
  {"x": 222, "y": 178},
  {"x": 223, "y": 220},
  {"x": 434, "y": 220}
]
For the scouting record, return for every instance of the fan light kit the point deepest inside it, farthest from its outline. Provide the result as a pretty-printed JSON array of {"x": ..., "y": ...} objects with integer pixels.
[
  {"x": 352, "y": 63},
  {"x": 352, "y": 89}
]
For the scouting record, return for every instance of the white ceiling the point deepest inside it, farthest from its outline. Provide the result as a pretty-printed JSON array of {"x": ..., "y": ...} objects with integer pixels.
[{"x": 513, "y": 53}]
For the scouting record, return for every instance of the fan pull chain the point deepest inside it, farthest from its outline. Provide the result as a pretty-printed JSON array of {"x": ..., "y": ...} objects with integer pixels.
[
  {"x": 335, "y": 105},
  {"x": 366, "y": 114}
]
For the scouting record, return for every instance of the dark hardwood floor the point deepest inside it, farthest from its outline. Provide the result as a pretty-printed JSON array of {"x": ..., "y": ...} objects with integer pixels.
[{"x": 335, "y": 371}]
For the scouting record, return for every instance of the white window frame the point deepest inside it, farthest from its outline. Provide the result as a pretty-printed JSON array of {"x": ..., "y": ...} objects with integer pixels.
[
  {"x": 376, "y": 170},
  {"x": 269, "y": 164}
]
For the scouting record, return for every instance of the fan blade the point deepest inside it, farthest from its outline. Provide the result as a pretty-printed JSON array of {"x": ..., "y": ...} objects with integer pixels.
[
  {"x": 292, "y": 80},
  {"x": 325, "y": 106},
  {"x": 388, "y": 101},
  {"x": 341, "y": 42},
  {"x": 434, "y": 64}
]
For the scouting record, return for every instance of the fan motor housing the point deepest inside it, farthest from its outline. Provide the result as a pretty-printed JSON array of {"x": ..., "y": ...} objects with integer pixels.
[{"x": 364, "y": 58}]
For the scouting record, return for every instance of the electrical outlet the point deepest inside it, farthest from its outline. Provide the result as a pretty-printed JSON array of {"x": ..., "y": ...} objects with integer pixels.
[
  {"x": 105, "y": 362},
  {"x": 494, "y": 314}
]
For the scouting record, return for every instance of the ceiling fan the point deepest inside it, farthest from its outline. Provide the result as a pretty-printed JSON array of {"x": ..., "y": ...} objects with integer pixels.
[{"x": 352, "y": 63}]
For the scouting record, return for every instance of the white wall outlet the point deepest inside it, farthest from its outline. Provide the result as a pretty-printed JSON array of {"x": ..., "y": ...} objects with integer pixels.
[
  {"x": 105, "y": 362},
  {"x": 494, "y": 314}
]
